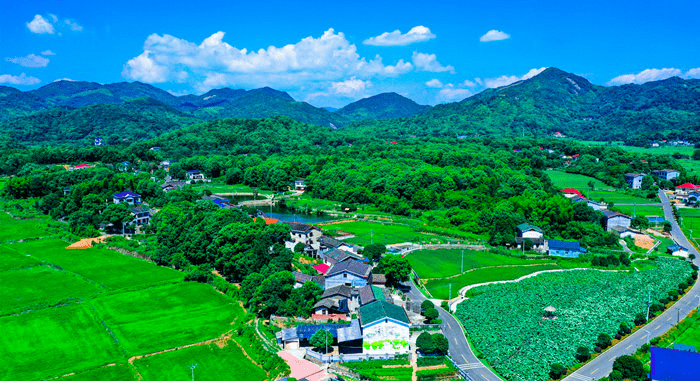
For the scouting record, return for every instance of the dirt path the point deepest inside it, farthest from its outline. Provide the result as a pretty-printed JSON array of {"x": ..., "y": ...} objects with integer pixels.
[{"x": 490, "y": 267}]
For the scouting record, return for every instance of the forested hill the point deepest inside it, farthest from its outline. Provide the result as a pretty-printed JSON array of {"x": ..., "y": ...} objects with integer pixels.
[
  {"x": 133, "y": 120},
  {"x": 381, "y": 106},
  {"x": 557, "y": 101}
]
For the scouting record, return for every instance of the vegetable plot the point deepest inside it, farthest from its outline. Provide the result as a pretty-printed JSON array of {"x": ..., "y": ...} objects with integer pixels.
[{"x": 506, "y": 321}]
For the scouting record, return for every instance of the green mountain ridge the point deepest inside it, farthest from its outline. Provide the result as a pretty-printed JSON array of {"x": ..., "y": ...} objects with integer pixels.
[{"x": 381, "y": 106}]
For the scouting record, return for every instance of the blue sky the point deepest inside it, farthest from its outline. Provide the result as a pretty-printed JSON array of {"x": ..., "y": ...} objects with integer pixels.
[{"x": 332, "y": 53}]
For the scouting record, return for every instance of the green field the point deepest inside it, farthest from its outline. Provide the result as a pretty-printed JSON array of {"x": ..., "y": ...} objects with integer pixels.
[
  {"x": 691, "y": 223},
  {"x": 225, "y": 188},
  {"x": 692, "y": 166},
  {"x": 213, "y": 363},
  {"x": 640, "y": 210},
  {"x": 446, "y": 262},
  {"x": 122, "y": 372},
  {"x": 154, "y": 319},
  {"x": 53, "y": 342},
  {"x": 620, "y": 198},
  {"x": 106, "y": 267},
  {"x": 562, "y": 180},
  {"x": 665, "y": 150},
  {"x": 41, "y": 286},
  {"x": 439, "y": 288},
  {"x": 11, "y": 259},
  {"x": 374, "y": 232},
  {"x": 12, "y": 229}
]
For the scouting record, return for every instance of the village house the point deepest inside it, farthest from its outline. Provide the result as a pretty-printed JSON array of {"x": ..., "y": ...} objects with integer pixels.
[
  {"x": 615, "y": 219},
  {"x": 172, "y": 185},
  {"x": 128, "y": 197},
  {"x": 385, "y": 328},
  {"x": 222, "y": 203},
  {"x": 591, "y": 203},
  {"x": 142, "y": 215},
  {"x": 194, "y": 175},
  {"x": 569, "y": 249},
  {"x": 309, "y": 235},
  {"x": 330, "y": 243},
  {"x": 677, "y": 250},
  {"x": 571, "y": 193},
  {"x": 634, "y": 180},
  {"x": 301, "y": 278},
  {"x": 336, "y": 255},
  {"x": 81, "y": 166},
  {"x": 666, "y": 174},
  {"x": 300, "y": 184},
  {"x": 529, "y": 232},
  {"x": 338, "y": 300},
  {"x": 371, "y": 293},
  {"x": 351, "y": 273}
]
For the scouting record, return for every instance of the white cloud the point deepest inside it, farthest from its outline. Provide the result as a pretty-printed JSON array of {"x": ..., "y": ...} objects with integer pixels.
[
  {"x": 646, "y": 76},
  {"x": 506, "y": 80},
  {"x": 416, "y": 34},
  {"x": 434, "y": 83},
  {"x": 64, "y": 79},
  {"x": 213, "y": 63},
  {"x": 21, "y": 79},
  {"x": 693, "y": 73},
  {"x": 40, "y": 25},
  {"x": 429, "y": 62},
  {"x": 450, "y": 94},
  {"x": 48, "y": 53},
  {"x": 31, "y": 60},
  {"x": 350, "y": 87},
  {"x": 468, "y": 83},
  {"x": 494, "y": 35},
  {"x": 73, "y": 25}
]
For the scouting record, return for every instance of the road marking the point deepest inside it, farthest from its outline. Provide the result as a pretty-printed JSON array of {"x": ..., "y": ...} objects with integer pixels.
[
  {"x": 596, "y": 369},
  {"x": 612, "y": 359},
  {"x": 456, "y": 342},
  {"x": 629, "y": 346},
  {"x": 471, "y": 366},
  {"x": 582, "y": 378}
]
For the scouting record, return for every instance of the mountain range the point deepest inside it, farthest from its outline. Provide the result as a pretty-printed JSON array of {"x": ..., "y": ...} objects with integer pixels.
[{"x": 553, "y": 101}]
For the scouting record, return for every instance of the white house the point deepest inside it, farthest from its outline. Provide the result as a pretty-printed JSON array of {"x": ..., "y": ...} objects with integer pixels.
[
  {"x": 300, "y": 184},
  {"x": 615, "y": 219},
  {"x": 531, "y": 232},
  {"x": 385, "y": 328},
  {"x": 634, "y": 180},
  {"x": 309, "y": 235},
  {"x": 194, "y": 175},
  {"x": 130, "y": 198},
  {"x": 666, "y": 174},
  {"x": 677, "y": 250}
]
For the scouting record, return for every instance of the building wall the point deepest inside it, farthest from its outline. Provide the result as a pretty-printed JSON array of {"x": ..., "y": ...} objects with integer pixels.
[
  {"x": 634, "y": 183},
  {"x": 350, "y": 280},
  {"x": 618, "y": 221},
  {"x": 564, "y": 253},
  {"x": 594, "y": 205},
  {"x": 532, "y": 234},
  {"x": 388, "y": 336},
  {"x": 310, "y": 238}
]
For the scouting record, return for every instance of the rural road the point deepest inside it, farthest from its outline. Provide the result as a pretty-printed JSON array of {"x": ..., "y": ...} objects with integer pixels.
[
  {"x": 601, "y": 366},
  {"x": 460, "y": 351}
]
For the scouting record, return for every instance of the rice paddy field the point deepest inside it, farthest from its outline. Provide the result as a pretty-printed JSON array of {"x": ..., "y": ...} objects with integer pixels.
[
  {"x": 691, "y": 223},
  {"x": 83, "y": 314},
  {"x": 374, "y": 232},
  {"x": 16, "y": 229},
  {"x": 447, "y": 262}
]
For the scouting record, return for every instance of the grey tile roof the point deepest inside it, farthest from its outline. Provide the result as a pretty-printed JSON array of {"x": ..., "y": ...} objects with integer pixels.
[
  {"x": 298, "y": 227},
  {"x": 352, "y": 266},
  {"x": 353, "y": 332},
  {"x": 341, "y": 290},
  {"x": 366, "y": 295},
  {"x": 303, "y": 278}
]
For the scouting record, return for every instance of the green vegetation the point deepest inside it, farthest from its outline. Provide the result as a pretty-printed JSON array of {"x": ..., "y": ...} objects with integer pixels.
[
  {"x": 563, "y": 180},
  {"x": 384, "y": 233},
  {"x": 374, "y": 369},
  {"x": 446, "y": 262},
  {"x": 12, "y": 229},
  {"x": 121, "y": 372},
  {"x": 691, "y": 221},
  {"x": 381, "y": 106},
  {"x": 213, "y": 363},
  {"x": 587, "y": 303}
]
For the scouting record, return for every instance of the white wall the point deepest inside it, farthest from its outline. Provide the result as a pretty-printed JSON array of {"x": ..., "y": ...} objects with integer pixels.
[{"x": 388, "y": 332}]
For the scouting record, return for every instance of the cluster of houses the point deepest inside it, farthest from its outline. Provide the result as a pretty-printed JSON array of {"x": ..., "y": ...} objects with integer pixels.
[{"x": 634, "y": 180}]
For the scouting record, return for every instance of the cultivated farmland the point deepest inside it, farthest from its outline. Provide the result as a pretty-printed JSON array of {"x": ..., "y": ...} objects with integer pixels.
[{"x": 446, "y": 262}]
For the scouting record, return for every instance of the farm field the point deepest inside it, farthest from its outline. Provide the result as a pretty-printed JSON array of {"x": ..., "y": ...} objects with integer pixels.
[
  {"x": 562, "y": 180},
  {"x": 620, "y": 198},
  {"x": 106, "y": 267},
  {"x": 691, "y": 223},
  {"x": 11, "y": 259},
  {"x": 121, "y": 372},
  {"x": 640, "y": 210},
  {"x": 53, "y": 342},
  {"x": 41, "y": 286},
  {"x": 505, "y": 321},
  {"x": 665, "y": 150},
  {"x": 692, "y": 166},
  {"x": 439, "y": 288},
  {"x": 446, "y": 262},
  {"x": 386, "y": 234},
  {"x": 216, "y": 187},
  {"x": 154, "y": 319},
  {"x": 12, "y": 229},
  {"x": 375, "y": 369},
  {"x": 213, "y": 363}
]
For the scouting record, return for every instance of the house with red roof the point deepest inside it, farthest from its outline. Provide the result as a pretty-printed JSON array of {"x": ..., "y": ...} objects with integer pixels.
[{"x": 571, "y": 192}]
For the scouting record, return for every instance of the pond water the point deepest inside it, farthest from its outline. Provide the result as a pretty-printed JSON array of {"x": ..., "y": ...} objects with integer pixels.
[{"x": 293, "y": 215}]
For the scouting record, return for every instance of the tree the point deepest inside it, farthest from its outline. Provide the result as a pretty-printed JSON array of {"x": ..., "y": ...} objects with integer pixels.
[
  {"x": 374, "y": 251},
  {"x": 395, "y": 268},
  {"x": 118, "y": 214},
  {"x": 440, "y": 344},
  {"x": 431, "y": 313},
  {"x": 640, "y": 222},
  {"x": 556, "y": 370},
  {"x": 299, "y": 247},
  {"x": 604, "y": 340},
  {"x": 582, "y": 354},
  {"x": 426, "y": 305},
  {"x": 625, "y": 259},
  {"x": 624, "y": 329},
  {"x": 424, "y": 343},
  {"x": 615, "y": 375},
  {"x": 321, "y": 340},
  {"x": 667, "y": 227},
  {"x": 630, "y": 367}
]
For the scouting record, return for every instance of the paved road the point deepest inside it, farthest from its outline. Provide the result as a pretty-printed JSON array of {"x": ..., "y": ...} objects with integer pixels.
[
  {"x": 601, "y": 366},
  {"x": 460, "y": 351}
]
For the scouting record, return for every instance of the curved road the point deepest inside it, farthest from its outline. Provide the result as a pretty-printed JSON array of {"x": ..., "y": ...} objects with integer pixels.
[
  {"x": 601, "y": 366},
  {"x": 460, "y": 351}
]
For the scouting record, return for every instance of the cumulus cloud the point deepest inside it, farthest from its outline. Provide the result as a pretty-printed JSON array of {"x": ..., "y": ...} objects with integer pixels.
[
  {"x": 494, "y": 35},
  {"x": 506, "y": 80},
  {"x": 434, "y": 83},
  {"x": 416, "y": 34},
  {"x": 693, "y": 73},
  {"x": 31, "y": 60},
  {"x": 40, "y": 25},
  {"x": 21, "y": 79},
  {"x": 429, "y": 62},
  {"x": 214, "y": 63},
  {"x": 350, "y": 87},
  {"x": 451, "y": 94},
  {"x": 48, "y": 53},
  {"x": 648, "y": 75}
]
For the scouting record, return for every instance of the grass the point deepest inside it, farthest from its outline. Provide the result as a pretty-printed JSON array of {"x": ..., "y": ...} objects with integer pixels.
[
  {"x": 446, "y": 262},
  {"x": 53, "y": 342},
  {"x": 691, "y": 221},
  {"x": 107, "y": 267},
  {"x": 562, "y": 180},
  {"x": 11, "y": 259},
  {"x": 373, "y": 232},
  {"x": 306, "y": 202},
  {"x": 439, "y": 288},
  {"x": 620, "y": 197},
  {"x": 120, "y": 372},
  {"x": 664, "y": 150},
  {"x": 226, "y": 188},
  {"x": 692, "y": 166},
  {"x": 154, "y": 319},
  {"x": 41, "y": 286},
  {"x": 213, "y": 363},
  {"x": 15, "y": 229},
  {"x": 644, "y": 265},
  {"x": 640, "y": 210}
]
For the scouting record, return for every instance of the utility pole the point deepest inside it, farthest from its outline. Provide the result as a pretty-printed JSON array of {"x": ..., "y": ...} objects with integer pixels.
[
  {"x": 648, "y": 303},
  {"x": 192, "y": 367},
  {"x": 461, "y": 269},
  {"x": 371, "y": 237},
  {"x": 450, "y": 297},
  {"x": 634, "y": 211}
]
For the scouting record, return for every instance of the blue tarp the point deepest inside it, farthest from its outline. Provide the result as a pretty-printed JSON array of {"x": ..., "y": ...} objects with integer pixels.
[{"x": 672, "y": 365}]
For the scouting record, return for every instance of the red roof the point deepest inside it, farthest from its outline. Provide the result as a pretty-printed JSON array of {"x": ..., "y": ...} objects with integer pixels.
[
  {"x": 84, "y": 166},
  {"x": 322, "y": 268},
  {"x": 574, "y": 155},
  {"x": 572, "y": 190},
  {"x": 688, "y": 186},
  {"x": 644, "y": 161},
  {"x": 393, "y": 143}
]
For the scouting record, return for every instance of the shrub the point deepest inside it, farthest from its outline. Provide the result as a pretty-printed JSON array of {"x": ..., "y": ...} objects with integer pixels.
[
  {"x": 582, "y": 354},
  {"x": 424, "y": 343},
  {"x": 604, "y": 340},
  {"x": 556, "y": 370},
  {"x": 640, "y": 319},
  {"x": 629, "y": 367}
]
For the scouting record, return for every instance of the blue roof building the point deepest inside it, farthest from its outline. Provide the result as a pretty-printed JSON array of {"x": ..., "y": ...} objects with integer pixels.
[
  {"x": 569, "y": 249},
  {"x": 674, "y": 365},
  {"x": 128, "y": 197}
]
